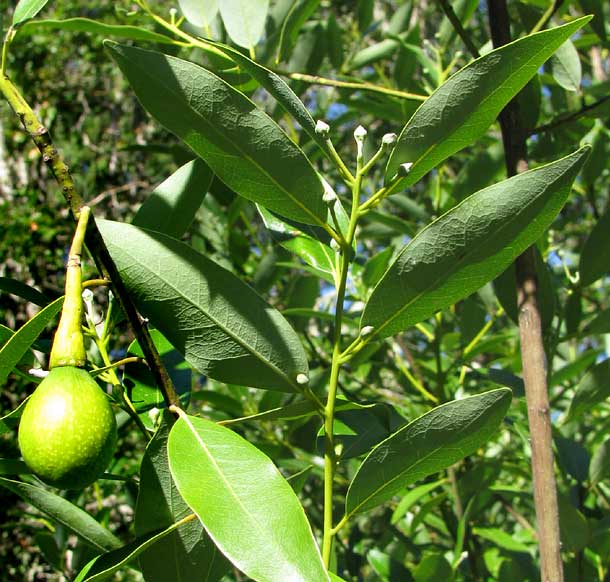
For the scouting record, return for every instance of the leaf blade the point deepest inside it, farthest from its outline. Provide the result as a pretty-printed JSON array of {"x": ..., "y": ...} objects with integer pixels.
[{"x": 249, "y": 501}]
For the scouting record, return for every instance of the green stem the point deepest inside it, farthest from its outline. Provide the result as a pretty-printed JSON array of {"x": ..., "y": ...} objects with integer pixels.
[
  {"x": 69, "y": 346},
  {"x": 338, "y": 357}
]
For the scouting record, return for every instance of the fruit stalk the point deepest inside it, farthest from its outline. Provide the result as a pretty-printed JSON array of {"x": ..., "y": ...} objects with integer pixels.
[{"x": 68, "y": 346}]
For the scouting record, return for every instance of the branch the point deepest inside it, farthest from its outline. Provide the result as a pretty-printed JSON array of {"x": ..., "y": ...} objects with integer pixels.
[
  {"x": 569, "y": 118},
  {"x": 532, "y": 348},
  {"x": 93, "y": 239}
]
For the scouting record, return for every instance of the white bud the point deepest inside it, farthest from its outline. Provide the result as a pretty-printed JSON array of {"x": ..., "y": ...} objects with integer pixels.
[
  {"x": 335, "y": 246},
  {"x": 329, "y": 195},
  {"x": 389, "y": 139},
  {"x": 322, "y": 128},
  {"x": 404, "y": 169},
  {"x": 302, "y": 379},
  {"x": 366, "y": 330},
  {"x": 87, "y": 295},
  {"x": 360, "y": 133}
]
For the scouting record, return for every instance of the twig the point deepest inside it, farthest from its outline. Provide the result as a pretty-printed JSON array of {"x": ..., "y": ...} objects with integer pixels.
[
  {"x": 457, "y": 26},
  {"x": 532, "y": 346},
  {"x": 94, "y": 241},
  {"x": 569, "y": 118}
]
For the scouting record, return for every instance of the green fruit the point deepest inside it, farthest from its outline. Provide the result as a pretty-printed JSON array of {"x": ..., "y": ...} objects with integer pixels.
[{"x": 67, "y": 432}]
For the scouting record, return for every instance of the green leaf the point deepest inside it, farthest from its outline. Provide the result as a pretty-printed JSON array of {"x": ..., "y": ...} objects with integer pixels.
[
  {"x": 171, "y": 206},
  {"x": 244, "y": 147},
  {"x": 298, "y": 14},
  {"x": 412, "y": 497},
  {"x": 14, "y": 349},
  {"x": 222, "y": 327},
  {"x": 26, "y": 9},
  {"x": 187, "y": 553},
  {"x": 244, "y": 20},
  {"x": 9, "y": 421},
  {"x": 461, "y": 109},
  {"x": 565, "y": 64},
  {"x": 467, "y": 247},
  {"x": 65, "y": 513},
  {"x": 201, "y": 13},
  {"x": 432, "y": 568},
  {"x": 595, "y": 256},
  {"x": 24, "y": 291},
  {"x": 575, "y": 532},
  {"x": 592, "y": 389},
  {"x": 95, "y": 27},
  {"x": 425, "y": 446},
  {"x": 13, "y": 467},
  {"x": 501, "y": 539},
  {"x": 599, "y": 469},
  {"x": 598, "y": 23},
  {"x": 250, "y": 511}
]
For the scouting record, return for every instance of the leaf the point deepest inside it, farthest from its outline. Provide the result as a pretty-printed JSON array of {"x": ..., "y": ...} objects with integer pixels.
[
  {"x": 592, "y": 389},
  {"x": 221, "y": 326},
  {"x": 250, "y": 511},
  {"x": 425, "y": 446},
  {"x": 244, "y": 147},
  {"x": 461, "y": 109},
  {"x": 65, "y": 513},
  {"x": 278, "y": 89},
  {"x": 575, "y": 532},
  {"x": 501, "y": 539},
  {"x": 9, "y": 421},
  {"x": 468, "y": 246},
  {"x": 432, "y": 568},
  {"x": 573, "y": 458},
  {"x": 104, "y": 566},
  {"x": 565, "y": 64},
  {"x": 14, "y": 349},
  {"x": 95, "y": 27},
  {"x": 412, "y": 497},
  {"x": 24, "y": 291},
  {"x": 201, "y": 13},
  {"x": 297, "y": 16},
  {"x": 244, "y": 20},
  {"x": 187, "y": 553},
  {"x": 172, "y": 205},
  {"x": 595, "y": 256},
  {"x": 13, "y": 467},
  {"x": 27, "y": 9},
  {"x": 599, "y": 469}
]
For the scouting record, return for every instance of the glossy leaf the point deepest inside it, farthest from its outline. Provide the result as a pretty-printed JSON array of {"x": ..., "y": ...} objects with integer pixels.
[
  {"x": 24, "y": 291},
  {"x": 244, "y": 20},
  {"x": 413, "y": 496},
  {"x": 19, "y": 343},
  {"x": 298, "y": 14},
  {"x": 595, "y": 256},
  {"x": 95, "y": 27},
  {"x": 244, "y": 147},
  {"x": 65, "y": 513},
  {"x": 592, "y": 389},
  {"x": 425, "y": 446},
  {"x": 171, "y": 206},
  {"x": 27, "y": 9},
  {"x": 248, "y": 508},
  {"x": 469, "y": 246},
  {"x": 500, "y": 538},
  {"x": 221, "y": 326},
  {"x": 565, "y": 64},
  {"x": 187, "y": 553},
  {"x": 460, "y": 111},
  {"x": 201, "y": 13}
]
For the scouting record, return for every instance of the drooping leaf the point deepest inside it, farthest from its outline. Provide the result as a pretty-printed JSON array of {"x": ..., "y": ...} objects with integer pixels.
[
  {"x": 244, "y": 147},
  {"x": 595, "y": 256},
  {"x": 565, "y": 64},
  {"x": 591, "y": 390},
  {"x": 201, "y": 13},
  {"x": 95, "y": 27},
  {"x": 298, "y": 14},
  {"x": 171, "y": 206},
  {"x": 220, "y": 325},
  {"x": 425, "y": 446},
  {"x": 469, "y": 246},
  {"x": 187, "y": 553},
  {"x": 14, "y": 349},
  {"x": 27, "y": 9},
  {"x": 461, "y": 109},
  {"x": 64, "y": 512},
  {"x": 248, "y": 508},
  {"x": 244, "y": 20}
]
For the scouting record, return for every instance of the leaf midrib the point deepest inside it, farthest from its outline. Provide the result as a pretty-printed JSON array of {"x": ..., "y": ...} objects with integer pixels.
[
  {"x": 244, "y": 154},
  {"x": 460, "y": 262},
  {"x": 235, "y": 338}
]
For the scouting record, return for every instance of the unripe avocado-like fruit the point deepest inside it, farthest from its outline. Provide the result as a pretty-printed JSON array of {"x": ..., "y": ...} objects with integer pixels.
[{"x": 67, "y": 432}]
